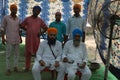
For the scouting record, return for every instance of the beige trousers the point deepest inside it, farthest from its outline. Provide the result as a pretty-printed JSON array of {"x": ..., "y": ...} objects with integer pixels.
[{"x": 12, "y": 49}]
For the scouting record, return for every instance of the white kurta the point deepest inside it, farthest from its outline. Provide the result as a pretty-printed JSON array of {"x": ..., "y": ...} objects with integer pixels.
[
  {"x": 78, "y": 55},
  {"x": 75, "y": 22},
  {"x": 44, "y": 53},
  {"x": 11, "y": 28}
]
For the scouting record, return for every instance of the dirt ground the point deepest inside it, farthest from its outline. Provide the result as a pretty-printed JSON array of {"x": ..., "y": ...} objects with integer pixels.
[{"x": 93, "y": 54}]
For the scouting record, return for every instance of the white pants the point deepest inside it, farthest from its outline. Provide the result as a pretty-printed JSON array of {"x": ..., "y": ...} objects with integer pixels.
[
  {"x": 71, "y": 70},
  {"x": 37, "y": 68},
  {"x": 12, "y": 48}
]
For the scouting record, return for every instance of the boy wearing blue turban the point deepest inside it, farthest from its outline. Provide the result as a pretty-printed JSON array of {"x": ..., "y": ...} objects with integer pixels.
[{"x": 75, "y": 56}]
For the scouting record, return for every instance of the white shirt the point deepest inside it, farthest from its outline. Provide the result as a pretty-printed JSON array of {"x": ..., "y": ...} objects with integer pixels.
[
  {"x": 44, "y": 52},
  {"x": 11, "y": 28},
  {"x": 78, "y": 54},
  {"x": 75, "y": 22}
]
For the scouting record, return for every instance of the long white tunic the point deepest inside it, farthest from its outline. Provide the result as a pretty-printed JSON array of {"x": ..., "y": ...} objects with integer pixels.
[
  {"x": 78, "y": 54},
  {"x": 44, "y": 52}
]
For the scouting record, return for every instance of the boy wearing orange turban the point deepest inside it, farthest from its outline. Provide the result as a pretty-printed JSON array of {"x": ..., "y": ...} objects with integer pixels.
[
  {"x": 52, "y": 36},
  {"x": 76, "y": 21},
  {"x": 10, "y": 25},
  {"x": 13, "y": 9},
  {"x": 49, "y": 55}
]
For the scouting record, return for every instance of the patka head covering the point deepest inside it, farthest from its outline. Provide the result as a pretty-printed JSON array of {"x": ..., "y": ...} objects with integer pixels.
[
  {"x": 77, "y": 6},
  {"x": 77, "y": 31},
  {"x": 58, "y": 13},
  {"x": 52, "y": 30},
  {"x": 13, "y": 6},
  {"x": 37, "y": 7}
]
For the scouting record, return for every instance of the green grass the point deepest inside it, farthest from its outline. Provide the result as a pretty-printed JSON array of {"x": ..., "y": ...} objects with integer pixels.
[
  {"x": 99, "y": 74},
  {"x": 96, "y": 75}
]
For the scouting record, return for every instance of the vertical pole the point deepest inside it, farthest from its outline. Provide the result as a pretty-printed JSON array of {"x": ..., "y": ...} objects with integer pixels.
[
  {"x": 107, "y": 64},
  {"x": 112, "y": 23},
  {"x": 106, "y": 13}
]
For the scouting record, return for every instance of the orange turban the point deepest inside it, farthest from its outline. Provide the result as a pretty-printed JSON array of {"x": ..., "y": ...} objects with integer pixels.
[
  {"x": 77, "y": 6},
  {"x": 13, "y": 6},
  {"x": 52, "y": 30}
]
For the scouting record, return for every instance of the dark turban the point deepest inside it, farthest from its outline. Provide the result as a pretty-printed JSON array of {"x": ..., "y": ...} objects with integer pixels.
[
  {"x": 37, "y": 7},
  {"x": 58, "y": 13}
]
